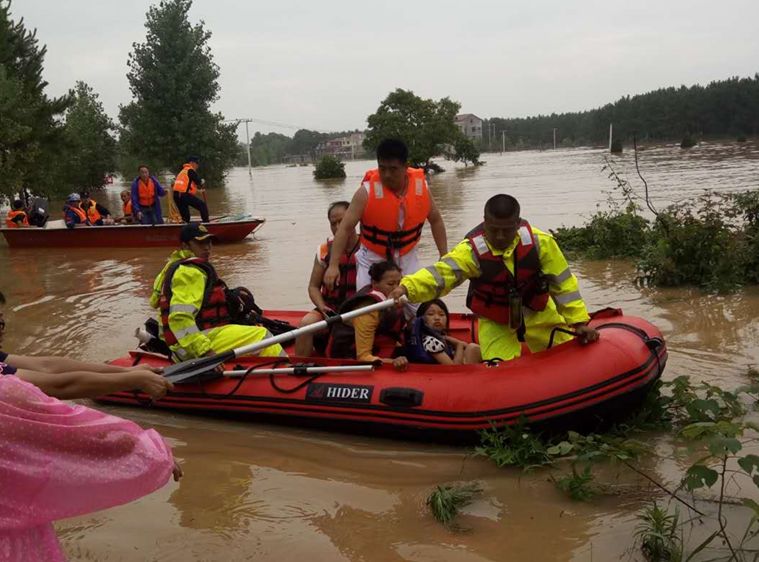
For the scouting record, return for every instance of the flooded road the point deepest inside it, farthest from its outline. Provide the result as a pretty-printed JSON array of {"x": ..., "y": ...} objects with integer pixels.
[{"x": 261, "y": 492}]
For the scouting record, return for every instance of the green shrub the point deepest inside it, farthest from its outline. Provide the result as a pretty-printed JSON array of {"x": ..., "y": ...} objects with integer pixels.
[
  {"x": 688, "y": 141},
  {"x": 329, "y": 167},
  {"x": 609, "y": 234}
]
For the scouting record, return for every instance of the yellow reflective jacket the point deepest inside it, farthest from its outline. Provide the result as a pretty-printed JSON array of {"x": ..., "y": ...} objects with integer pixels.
[
  {"x": 187, "y": 290},
  {"x": 461, "y": 264}
]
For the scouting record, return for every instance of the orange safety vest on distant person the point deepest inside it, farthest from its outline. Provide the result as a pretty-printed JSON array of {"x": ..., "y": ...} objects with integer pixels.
[
  {"x": 78, "y": 211},
  {"x": 92, "y": 213},
  {"x": 127, "y": 208},
  {"x": 146, "y": 192},
  {"x": 183, "y": 184},
  {"x": 380, "y": 229},
  {"x": 10, "y": 223}
]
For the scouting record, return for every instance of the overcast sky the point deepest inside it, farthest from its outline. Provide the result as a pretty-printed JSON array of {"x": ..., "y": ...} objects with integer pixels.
[{"x": 328, "y": 64}]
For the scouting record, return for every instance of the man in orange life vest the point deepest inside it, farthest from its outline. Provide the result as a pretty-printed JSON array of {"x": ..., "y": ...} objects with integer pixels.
[
  {"x": 187, "y": 184},
  {"x": 73, "y": 214},
  {"x": 17, "y": 217},
  {"x": 146, "y": 192},
  {"x": 96, "y": 213},
  {"x": 392, "y": 204},
  {"x": 520, "y": 285}
]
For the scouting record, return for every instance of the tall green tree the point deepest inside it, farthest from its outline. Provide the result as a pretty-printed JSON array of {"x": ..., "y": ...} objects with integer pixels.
[
  {"x": 90, "y": 146},
  {"x": 174, "y": 81},
  {"x": 425, "y": 125},
  {"x": 30, "y": 124}
]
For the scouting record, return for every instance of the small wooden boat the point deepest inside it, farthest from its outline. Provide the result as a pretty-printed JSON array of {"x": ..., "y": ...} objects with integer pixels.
[
  {"x": 56, "y": 235},
  {"x": 565, "y": 386}
]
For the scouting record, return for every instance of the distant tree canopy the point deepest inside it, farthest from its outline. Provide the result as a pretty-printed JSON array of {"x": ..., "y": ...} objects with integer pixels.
[
  {"x": 31, "y": 128},
  {"x": 273, "y": 148},
  {"x": 174, "y": 81},
  {"x": 425, "y": 125},
  {"x": 723, "y": 108},
  {"x": 90, "y": 148}
]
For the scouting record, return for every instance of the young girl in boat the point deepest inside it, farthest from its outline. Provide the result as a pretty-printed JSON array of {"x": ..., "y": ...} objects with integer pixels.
[
  {"x": 427, "y": 339},
  {"x": 373, "y": 337}
]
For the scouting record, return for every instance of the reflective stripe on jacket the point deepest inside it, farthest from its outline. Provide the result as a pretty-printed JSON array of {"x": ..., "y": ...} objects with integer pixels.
[
  {"x": 491, "y": 293},
  {"x": 188, "y": 295},
  {"x": 381, "y": 231}
]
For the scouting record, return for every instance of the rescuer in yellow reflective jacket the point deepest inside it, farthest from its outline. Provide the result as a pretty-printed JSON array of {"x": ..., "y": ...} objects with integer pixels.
[
  {"x": 520, "y": 285},
  {"x": 195, "y": 315}
]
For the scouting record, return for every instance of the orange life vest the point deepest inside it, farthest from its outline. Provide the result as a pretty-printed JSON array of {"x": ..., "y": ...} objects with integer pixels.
[
  {"x": 489, "y": 295},
  {"x": 146, "y": 193},
  {"x": 183, "y": 184},
  {"x": 380, "y": 230},
  {"x": 78, "y": 211},
  {"x": 10, "y": 223},
  {"x": 127, "y": 207},
  {"x": 346, "y": 284},
  {"x": 92, "y": 213},
  {"x": 213, "y": 311}
]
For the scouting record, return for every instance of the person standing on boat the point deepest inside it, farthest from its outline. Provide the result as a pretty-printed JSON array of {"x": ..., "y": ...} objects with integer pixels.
[
  {"x": 392, "y": 205},
  {"x": 520, "y": 284},
  {"x": 17, "y": 216},
  {"x": 327, "y": 301},
  {"x": 96, "y": 213},
  {"x": 73, "y": 214},
  {"x": 146, "y": 192},
  {"x": 186, "y": 185},
  {"x": 195, "y": 311}
]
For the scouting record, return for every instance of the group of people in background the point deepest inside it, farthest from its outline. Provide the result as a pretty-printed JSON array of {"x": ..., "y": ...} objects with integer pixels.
[{"x": 141, "y": 204}]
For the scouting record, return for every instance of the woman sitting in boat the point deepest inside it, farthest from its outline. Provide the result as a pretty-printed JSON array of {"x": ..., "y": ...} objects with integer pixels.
[
  {"x": 98, "y": 215},
  {"x": 372, "y": 337},
  {"x": 327, "y": 301},
  {"x": 427, "y": 339}
]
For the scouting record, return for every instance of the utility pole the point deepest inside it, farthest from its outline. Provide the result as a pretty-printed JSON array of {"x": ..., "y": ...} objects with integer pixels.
[
  {"x": 237, "y": 122},
  {"x": 611, "y": 128},
  {"x": 554, "y": 138},
  {"x": 490, "y": 135},
  {"x": 503, "y": 141}
]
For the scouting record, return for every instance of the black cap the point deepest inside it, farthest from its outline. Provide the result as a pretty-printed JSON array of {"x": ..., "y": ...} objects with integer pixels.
[
  {"x": 195, "y": 159},
  {"x": 194, "y": 231}
]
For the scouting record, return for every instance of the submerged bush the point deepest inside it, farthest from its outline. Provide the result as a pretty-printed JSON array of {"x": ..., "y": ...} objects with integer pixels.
[
  {"x": 710, "y": 242},
  {"x": 329, "y": 167}
]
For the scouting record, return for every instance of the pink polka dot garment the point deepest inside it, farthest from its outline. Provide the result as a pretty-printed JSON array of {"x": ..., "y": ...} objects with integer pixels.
[{"x": 59, "y": 460}]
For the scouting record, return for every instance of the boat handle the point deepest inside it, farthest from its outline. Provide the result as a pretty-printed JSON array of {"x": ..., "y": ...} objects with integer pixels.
[{"x": 401, "y": 397}]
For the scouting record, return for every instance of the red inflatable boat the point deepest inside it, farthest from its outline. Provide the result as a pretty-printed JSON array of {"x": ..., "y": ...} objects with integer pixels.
[{"x": 564, "y": 384}]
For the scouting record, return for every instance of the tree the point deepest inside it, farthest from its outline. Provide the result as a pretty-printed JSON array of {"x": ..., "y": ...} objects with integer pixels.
[
  {"x": 426, "y": 126},
  {"x": 90, "y": 148},
  {"x": 30, "y": 128},
  {"x": 174, "y": 81},
  {"x": 464, "y": 150},
  {"x": 305, "y": 141},
  {"x": 329, "y": 167}
]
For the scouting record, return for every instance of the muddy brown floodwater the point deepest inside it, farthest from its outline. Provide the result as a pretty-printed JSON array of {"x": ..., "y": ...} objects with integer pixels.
[{"x": 261, "y": 492}]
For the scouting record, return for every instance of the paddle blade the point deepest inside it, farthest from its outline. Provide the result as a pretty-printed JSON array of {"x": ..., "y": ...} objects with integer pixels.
[{"x": 202, "y": 368}]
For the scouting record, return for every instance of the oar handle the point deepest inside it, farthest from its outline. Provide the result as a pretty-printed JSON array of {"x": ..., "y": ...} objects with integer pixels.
[
  {"x": 292, "y": 334},
  {"x": 301, "y": 370}
]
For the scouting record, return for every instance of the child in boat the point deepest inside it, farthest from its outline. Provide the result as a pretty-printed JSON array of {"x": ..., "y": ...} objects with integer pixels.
[
  {"x": 372, "y": 337},
  {"x": 427, "y": 339}
]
